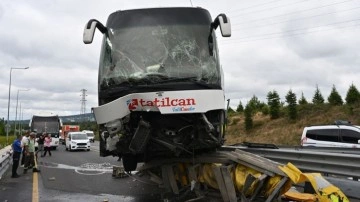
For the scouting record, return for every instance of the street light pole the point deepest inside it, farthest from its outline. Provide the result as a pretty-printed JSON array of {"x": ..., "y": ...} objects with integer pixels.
[
  {"x": 8, "y": 112},
  {"x": 21, "y": 115},
  {"x": 17, "y": 101}
]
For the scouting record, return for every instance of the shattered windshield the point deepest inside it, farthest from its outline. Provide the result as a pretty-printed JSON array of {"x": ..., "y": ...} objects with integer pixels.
[
  {"x": 49, "y": 127},
  {"x": 158, "y": 53}
]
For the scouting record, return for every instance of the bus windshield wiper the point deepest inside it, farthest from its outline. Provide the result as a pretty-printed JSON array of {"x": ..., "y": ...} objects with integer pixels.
[{"x": 193, "y": 80}]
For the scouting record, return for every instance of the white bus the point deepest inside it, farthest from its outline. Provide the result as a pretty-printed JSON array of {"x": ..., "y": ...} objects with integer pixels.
[{"x": 49, "y": 123}]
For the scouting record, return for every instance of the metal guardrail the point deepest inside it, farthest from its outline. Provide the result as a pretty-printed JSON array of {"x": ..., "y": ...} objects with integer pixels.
[
  {"x": 341, "y": 164},
  {"x": 336, "y": 161},
  {"x": 5, "y": 160},
  {"x": 324, "y": 149},
  {"x": 344, "y": 150}
]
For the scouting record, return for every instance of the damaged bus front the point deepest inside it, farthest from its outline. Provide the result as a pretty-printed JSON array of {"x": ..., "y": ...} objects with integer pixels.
[{"x": 160, "y": 84}]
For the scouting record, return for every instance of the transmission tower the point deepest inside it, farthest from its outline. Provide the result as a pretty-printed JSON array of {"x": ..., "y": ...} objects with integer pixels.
[{"x": 83, "y": 102}]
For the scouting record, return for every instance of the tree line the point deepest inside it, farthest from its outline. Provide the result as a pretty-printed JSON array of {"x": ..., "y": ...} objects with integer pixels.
[{"x": 274, "y": 106}]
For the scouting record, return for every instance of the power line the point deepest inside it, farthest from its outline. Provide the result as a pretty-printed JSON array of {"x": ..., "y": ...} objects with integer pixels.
[
  {"x": 297, "y": 19},
  {"x": 291, "y": 13},
  {"x": 256, "y": 5},
  {"x": 288, "y": 35},
  {"x": 266, "y": 9},
  {"x": 293, "y": 30}
]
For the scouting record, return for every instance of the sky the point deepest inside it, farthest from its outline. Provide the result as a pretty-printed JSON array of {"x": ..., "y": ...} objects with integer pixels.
[{"x": 276, "y": 45}]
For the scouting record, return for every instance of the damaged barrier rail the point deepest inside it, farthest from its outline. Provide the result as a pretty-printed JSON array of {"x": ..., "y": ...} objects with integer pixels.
[
  {"x": 234, "y": 175},
  {"x": 342, "y": 164},
  {"x": 226, "y": 166}
]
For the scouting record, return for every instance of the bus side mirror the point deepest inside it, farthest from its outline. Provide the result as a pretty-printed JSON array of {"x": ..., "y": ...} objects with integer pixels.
[
  {"x": 358, "y": 141},
  {"x": 225, "y": 26},
  {"x": 89, "y": 30}
]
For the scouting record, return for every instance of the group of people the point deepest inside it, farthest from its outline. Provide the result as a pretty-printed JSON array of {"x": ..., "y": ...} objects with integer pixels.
[
  {"x": 44, "y": 144},
  {"x": 24, "y": 149}
]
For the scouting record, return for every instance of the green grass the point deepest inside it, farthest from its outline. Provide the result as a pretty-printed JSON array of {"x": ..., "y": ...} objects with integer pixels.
[
  {"x": 3, "y": 141},
  {"x": 283, "y": 131}
]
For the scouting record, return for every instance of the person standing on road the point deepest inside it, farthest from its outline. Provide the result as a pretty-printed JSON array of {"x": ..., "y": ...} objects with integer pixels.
[
  {"x": 30, "y": 163},
  {"x": 40, "y": 142},
  {"x": 29, "y": 153},
  {"x": 24, "y": 142},
  {"x": 17, "y": 149},
  {"x": 47, "y": 144}
]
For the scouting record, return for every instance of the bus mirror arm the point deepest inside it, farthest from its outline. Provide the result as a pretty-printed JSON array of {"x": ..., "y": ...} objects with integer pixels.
[
  {"x": 225, "y": 27},
  {"x": 89, "y": 30}
]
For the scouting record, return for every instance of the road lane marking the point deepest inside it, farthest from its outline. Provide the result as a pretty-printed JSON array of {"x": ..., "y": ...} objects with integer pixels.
[
  {"x": 35, "y": 191},
  {"x": 35, "y": 187}
]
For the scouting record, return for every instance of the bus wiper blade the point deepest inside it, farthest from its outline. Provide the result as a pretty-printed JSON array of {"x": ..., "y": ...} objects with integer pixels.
[
  {"x": 193, "y": 80},
  {"x": 111, "y": 84},
  {"x": 114, "y": 83},
  {"x": 177, "y": 79}
]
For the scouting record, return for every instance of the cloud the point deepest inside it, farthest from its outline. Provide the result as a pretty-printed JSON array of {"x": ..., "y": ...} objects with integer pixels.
[{"x": 278, "y": 46}]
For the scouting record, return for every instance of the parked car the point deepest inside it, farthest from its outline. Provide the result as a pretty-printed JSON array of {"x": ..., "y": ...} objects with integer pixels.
[
  {"x": 340, "y": 134},
  {"x": 77, "y": 140},
  {"x": 90, "y": 135}
]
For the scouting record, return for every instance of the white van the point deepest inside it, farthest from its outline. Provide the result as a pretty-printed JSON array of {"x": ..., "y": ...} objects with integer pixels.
[
  {"x": 90, "y": 135},
  {"x": 77, "y": 140},
  {"x": 347, "y": 136}
]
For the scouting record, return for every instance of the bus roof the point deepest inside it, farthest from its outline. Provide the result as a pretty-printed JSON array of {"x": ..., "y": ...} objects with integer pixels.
[
  {"x": 45, "y": 117},
  {"x": 45, "y": 114}
]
